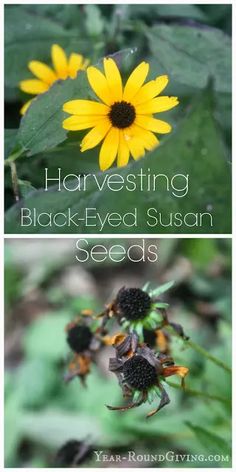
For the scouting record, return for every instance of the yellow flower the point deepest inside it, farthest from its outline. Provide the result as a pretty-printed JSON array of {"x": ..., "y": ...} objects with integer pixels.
[
  {"x": 124, "y": 121},
  {"x": 63, "y": 68}
]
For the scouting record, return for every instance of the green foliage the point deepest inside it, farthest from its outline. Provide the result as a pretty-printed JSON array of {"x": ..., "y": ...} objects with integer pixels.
[
  {"x": 157, "y": 12},
  {"x": 175, "y": 39},
  {"x": 41, "y": 127},
  {"x": 210, "y": 441},
  {"x": 192, "y": 56},
  {"x": 12, "y": 429},
  {"x": 36, "y": 380},
  {"x": 46, "y": 339},
  {"x": 28, "y": 36},
  {"x": 94, "y": 22}
]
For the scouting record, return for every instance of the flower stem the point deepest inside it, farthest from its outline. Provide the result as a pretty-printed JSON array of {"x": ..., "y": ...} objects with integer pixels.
[
  {"x": 198, "y": 393},
  {"x": 13, "y": 156},
  {"x": 15, "y": 183},
  {"x": 209, "y": 356},
  {"x": 203, "y": 352}
]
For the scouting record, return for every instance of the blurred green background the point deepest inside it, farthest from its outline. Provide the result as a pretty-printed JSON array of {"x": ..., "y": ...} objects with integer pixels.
[
  {"x": 45, "y": 287},
  {"x": 190, "y": 43}
]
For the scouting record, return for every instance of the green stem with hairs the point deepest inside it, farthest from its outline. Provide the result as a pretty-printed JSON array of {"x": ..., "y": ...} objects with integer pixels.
[
  {"x": 209, "y": 356},
  {"x": 202, "y": 351},
  {"x": 198, "y": 393}
]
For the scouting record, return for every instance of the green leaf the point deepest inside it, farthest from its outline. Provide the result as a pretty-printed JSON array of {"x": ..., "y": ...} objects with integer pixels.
[
  {"x": 192, "y": 55},
  {"x": 45, "y": 338},
  {"x": 25, "y": 187},
  {"x": 70, "y": 16},
  {"x": 12, "y": 428},
  {"x": 156, "y": 11},
  {"x": 29, "y": 36},
  {"x": 10, "y": 140},
  {"x": 162, "y": 305},
  {"x": 181, "y": 11},
  {"x": 210, "y": 441},
  {"x": 195, "y": 148},
  {"x": 162, "y": 288},
  {"x": 94, "y": 22},
  {"x": 41, "y": 127},
  {"x": 52, "y": 427},
  {"x": 35, "y": 382},
  {"x": 201, "y": 252}
]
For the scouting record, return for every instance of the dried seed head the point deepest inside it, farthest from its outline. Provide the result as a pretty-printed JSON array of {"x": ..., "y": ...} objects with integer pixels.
[
  {"x": 79, "y": 338},
  {"x": 138, "y": 373},
  {"x": 133, "y": 303}
]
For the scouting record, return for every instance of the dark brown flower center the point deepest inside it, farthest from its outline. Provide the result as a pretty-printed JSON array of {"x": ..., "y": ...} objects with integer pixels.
[
  {"x": 133, "y": 303},
  {"x": 138, "y": 373},
  {"x": 122, "y": 114},
  {"x": 79, "y": 338}
]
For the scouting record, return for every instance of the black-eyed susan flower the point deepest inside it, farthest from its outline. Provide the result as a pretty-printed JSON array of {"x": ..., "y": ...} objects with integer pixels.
[
  {"x": 140, "y": 372},
  {"x": 62, "y": 68},
  {"x": 83, "y": 341},
  {"x": 123, "y": 119},
  {"x": 138, "y": 309}
]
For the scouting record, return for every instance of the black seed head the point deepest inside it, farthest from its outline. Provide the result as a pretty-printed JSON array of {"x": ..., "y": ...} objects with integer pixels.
[
  {"x": 138, "y": 373},
  {"x": 79, "y": 338},
  {"x": 133, "y": 303},
  {"x": 72, "y": 453},
  {"x": 122, "y": 114}
]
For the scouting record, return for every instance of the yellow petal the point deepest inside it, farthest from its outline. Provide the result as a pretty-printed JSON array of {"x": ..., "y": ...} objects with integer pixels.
[
  {"x": 150, "y": 90},
  {"x": 42, "y": 72},
  {"x": 140, "y": 139},
  {"x": 157, "y": 105},
  {"x": 161, "y": 83},
  {"x": 96, "y": 135},
  {"x": 74, "y": 64},
  {"x": 152, "y": 124},
  {"x": 76, "y": 123},
  {"x": 99, "y": 84},
  {"x": 25, "y": 107},
  {"x": 85, "y": 107},
  {"x": 134, "y": 143},
  {"x": 135, "y": 81},
  {"x": 59, "y": 60},
  {"x": 123, "y": 151},
  {"x": 33, "y": 86},
  {"x": 149, "y": 139},
  {"x": 136, "y": 148},
  {"x": 113, "y": 78},
  {"x": 109, "y": 149}
]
